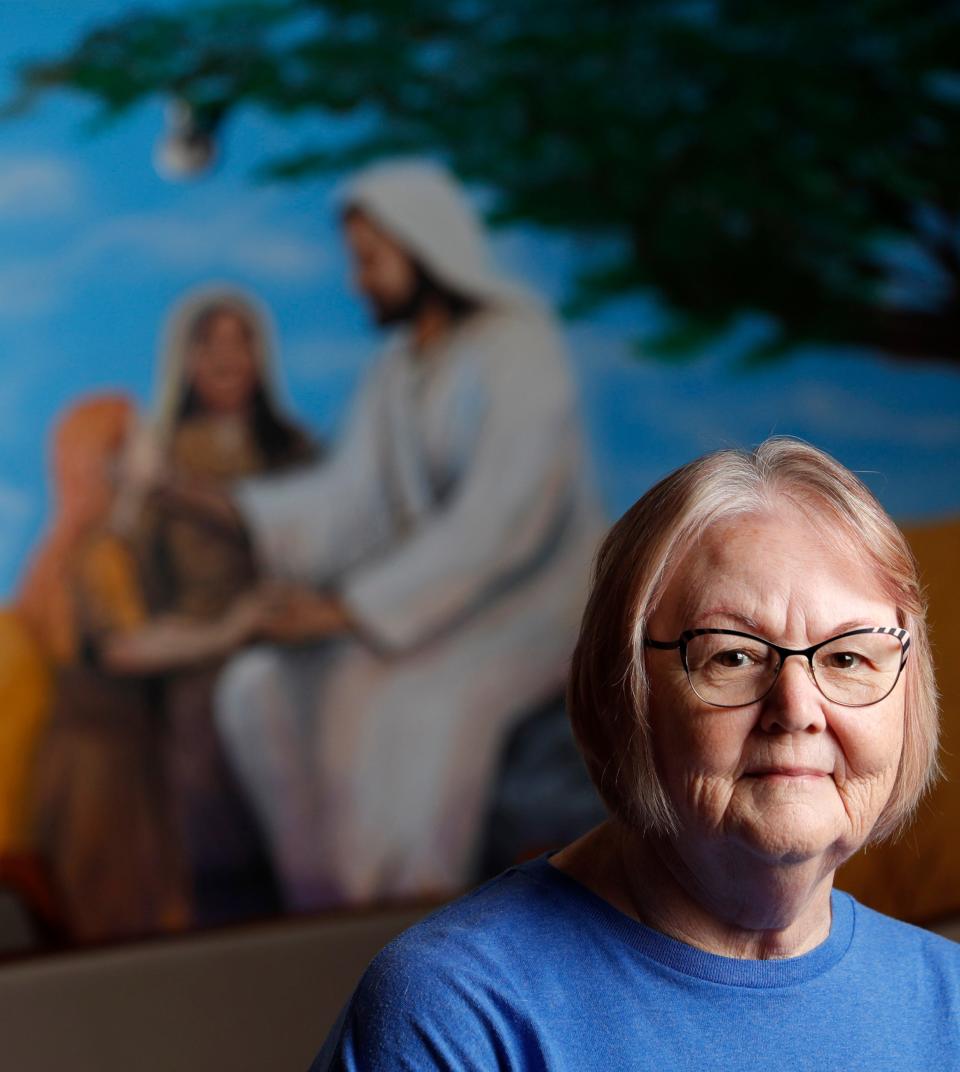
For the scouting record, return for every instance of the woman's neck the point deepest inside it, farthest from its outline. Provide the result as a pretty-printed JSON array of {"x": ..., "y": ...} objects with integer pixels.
[
  {"x": 746, "y": 909},
  {"x": 225, "y": 418}
]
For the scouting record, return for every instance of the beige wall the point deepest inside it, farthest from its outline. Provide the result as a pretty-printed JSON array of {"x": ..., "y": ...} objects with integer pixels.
[{"x": 248, "y": 1001}]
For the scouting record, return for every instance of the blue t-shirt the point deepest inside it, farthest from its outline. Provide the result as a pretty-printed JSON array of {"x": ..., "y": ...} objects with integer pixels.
[{"x": 533, "y": 971}]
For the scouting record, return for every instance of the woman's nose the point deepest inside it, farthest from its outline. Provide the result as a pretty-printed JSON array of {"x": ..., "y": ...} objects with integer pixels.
[{"x": 795, "y": 703}]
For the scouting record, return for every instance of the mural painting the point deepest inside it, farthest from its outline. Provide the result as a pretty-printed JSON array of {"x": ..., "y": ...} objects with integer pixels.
[{"x": 434, "y": 297}]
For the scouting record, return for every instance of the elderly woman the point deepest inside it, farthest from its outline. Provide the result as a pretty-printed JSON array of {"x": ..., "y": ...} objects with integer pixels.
[{"x": 753, "y": 694}]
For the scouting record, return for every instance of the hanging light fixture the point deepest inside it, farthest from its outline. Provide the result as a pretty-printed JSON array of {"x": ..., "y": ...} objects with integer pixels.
[{"x": 188, "y": 147}]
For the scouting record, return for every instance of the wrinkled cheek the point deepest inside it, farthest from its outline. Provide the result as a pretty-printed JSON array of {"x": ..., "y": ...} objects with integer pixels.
[
  {"x": 864, "y": 797},
  {"x": 707, "y": 800},
  {"x": 690, "y": 764},
  {"x": 868, "y": 773}
]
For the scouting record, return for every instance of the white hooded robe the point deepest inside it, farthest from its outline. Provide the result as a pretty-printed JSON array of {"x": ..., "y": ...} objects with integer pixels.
[{"x": 456, "y": 521}]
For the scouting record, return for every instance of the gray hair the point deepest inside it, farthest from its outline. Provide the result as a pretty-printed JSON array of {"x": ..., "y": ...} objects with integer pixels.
[{"x": 608, "y": 691}]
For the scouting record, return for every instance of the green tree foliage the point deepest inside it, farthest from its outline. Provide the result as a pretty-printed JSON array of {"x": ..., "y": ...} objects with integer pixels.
[{"x": 797, "y": 159}]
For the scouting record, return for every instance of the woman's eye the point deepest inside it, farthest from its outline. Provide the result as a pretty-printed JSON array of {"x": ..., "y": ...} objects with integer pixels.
[
  {"x": 733, "y": 659},
  {"x": 844, "y": 660}
]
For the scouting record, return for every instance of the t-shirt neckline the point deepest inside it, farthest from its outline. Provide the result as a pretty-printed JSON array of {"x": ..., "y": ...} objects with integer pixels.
[{"x": 698, "y": 963}]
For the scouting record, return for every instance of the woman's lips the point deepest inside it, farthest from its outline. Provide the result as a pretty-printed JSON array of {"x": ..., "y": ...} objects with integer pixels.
[{"x": 787, "y": 772}]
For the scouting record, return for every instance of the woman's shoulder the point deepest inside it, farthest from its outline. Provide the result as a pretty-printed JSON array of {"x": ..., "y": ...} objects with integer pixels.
[
  {"x": 454, "y": 984},
  {"x": 499, "y": 938},
  {"x": 108, "y": 585},
  {"x": 503, "y": 913},
  {"x": 889, "y": 938},
  {"x": 514, "y": 331}
]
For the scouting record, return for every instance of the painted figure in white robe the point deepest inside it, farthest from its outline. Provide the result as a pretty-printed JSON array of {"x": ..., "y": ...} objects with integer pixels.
[{"x": 435, "y": 567}]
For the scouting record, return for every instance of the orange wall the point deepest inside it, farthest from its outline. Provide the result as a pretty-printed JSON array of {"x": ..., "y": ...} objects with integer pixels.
[{"x": 918, "y": 877}]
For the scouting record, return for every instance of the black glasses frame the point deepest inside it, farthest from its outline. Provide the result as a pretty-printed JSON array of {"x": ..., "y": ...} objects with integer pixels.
[{"x": 784, "y": 653}]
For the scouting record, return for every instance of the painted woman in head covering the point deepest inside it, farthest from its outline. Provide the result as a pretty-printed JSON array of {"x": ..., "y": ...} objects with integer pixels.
[{"x": 217, "y": 417}]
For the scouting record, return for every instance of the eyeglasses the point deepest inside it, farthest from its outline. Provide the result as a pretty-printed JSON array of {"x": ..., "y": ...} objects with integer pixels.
[{"x": 727, "y": 668}]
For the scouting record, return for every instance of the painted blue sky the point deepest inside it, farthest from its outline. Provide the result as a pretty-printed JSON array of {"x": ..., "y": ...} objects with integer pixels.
[{"x": 95, "y": 246}]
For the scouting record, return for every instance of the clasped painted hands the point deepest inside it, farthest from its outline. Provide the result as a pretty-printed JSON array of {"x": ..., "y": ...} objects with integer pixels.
[
  {"x": 275, "y": 611},
  {"x": 284, "y": 613}
]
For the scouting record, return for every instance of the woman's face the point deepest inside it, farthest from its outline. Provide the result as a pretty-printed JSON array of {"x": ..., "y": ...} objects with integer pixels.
[
  {"x": 792, "y": 776},
  {"x": 223, "y": 372}
]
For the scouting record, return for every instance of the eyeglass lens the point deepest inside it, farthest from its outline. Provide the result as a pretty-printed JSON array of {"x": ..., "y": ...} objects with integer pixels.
[{"x": 852, "y": 670}]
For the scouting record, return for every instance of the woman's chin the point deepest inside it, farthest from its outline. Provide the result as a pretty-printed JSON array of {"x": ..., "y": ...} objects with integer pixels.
[{"x": 793, "y": 833}]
